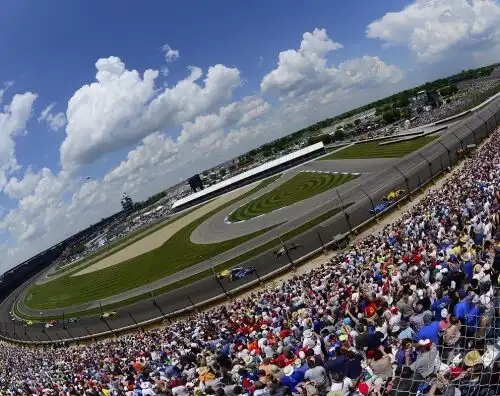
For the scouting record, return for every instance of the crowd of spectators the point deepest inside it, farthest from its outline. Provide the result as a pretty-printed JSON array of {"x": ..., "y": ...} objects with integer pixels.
[
  {"x": 412, "y": 309},
  {"x": 461, "y": 101}
]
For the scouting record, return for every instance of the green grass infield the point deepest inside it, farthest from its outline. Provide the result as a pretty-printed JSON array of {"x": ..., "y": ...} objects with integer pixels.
[
  {"x": 176, "y": 254},
  {"x": 302, "y": 186},
  {"x": 274, "y": 243},
  {"x": 373, "y": 150}
]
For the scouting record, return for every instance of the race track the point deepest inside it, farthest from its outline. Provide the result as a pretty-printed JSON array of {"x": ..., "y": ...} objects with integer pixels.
[{"x": 408, "y": 173}]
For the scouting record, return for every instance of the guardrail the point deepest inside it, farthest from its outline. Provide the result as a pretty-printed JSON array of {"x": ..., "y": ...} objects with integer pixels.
[{"x": 481, "y": 129}]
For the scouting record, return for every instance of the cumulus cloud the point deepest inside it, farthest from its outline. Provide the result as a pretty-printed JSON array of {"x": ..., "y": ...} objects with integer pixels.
[
  {"x": 434, "y": 28},
  {"x": 55, "y": 121},
  {"x": 306, "y": 70},
  {"x": 122, "y": 107},
  {"x": 38, "y": 208},
  {"x": 13, "y": 121},
  {"x": 19, "y": 189},
  {"x": 170, "y": 132},
  {"x": 236, "y": 113},
  {"x": 155, "y": 148}
]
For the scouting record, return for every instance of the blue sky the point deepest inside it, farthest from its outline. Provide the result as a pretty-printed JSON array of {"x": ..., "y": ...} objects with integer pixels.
[{"x": 239, "y": 74}]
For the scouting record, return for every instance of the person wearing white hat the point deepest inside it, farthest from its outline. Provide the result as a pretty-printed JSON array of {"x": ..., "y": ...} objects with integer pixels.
[{"x": 289, "y": 380}]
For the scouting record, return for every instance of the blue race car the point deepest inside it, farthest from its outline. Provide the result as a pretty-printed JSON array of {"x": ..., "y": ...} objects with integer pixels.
[
  {"x": 239, "y": 273},
  {"x": 381, "y": 207}
]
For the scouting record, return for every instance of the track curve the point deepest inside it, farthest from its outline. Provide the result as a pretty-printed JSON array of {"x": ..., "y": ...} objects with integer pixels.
[{"x": 410, "y": 171}]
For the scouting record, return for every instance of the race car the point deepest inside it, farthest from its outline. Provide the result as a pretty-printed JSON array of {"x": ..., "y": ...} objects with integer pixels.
[
  {"x": 381, "y": 207},
  {"x": 395, "y": 194},
  {"x": 224, "y": 274},
  {"x": 236, "y": 273},
  {"x": 73, "y": 320},
  {"x": 28, "y": 323},
  {"x": 109, "y": 314},
  {"x": 282, "y": 250},
  {"x": 50, "y": 323}
]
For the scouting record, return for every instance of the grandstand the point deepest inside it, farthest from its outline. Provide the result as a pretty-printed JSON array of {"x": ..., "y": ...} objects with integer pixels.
[
  {"x": 247, "y": 177},
  {"x": 411, "y": 310}
]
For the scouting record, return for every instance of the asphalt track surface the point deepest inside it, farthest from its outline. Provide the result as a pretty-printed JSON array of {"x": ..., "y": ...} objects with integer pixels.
[{"x": 408, "y": 173}]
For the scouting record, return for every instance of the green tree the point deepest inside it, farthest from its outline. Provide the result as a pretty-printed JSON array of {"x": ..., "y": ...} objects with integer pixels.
[
  {"x": 338, "y": 135},
  {"x": 391, "y": 115}
]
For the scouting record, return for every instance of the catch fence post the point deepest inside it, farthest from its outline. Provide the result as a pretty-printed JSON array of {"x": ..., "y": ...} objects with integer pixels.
[
  {"x": 220, "y": 283},
  {"x": 192, "y": 304},
  {"x": 406, "y": 182},
  {"x": 287, "y": 253},
  {"x": 133, "y": 320},
  {"x": 474, "y": 131},
  {"x": 448, "y": 151},
  {"x": 370, "y": 198},
  {"x": 343, "y": 211},
  {"x": 429, "y": 164},
  {"x": 321, "y": 241},
  {"x": 460, "y": 140}
]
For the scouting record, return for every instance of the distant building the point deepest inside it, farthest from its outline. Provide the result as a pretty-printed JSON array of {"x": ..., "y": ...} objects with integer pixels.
[
  {"x": 127, "y": 203},
  {"x": 195, "y": 183}
]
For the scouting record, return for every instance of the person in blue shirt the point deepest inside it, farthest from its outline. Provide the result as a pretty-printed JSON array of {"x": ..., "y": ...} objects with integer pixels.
[
  {"x": 290, "y": 380},
  {"x": 461, "y": 309},
  {"x": 440, "y": 303},
  {"x": 430, "y": 330},
  {"x": 472, "y": 317}
]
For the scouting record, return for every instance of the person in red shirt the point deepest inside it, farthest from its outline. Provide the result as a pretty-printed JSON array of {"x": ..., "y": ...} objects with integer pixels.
[{"x": 370, "y": 310}]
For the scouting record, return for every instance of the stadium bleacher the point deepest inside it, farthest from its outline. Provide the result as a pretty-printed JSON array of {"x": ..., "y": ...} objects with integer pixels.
[{"x": 413, "y": 309}]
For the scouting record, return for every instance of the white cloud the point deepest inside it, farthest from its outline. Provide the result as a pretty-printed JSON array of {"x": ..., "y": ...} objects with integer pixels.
[
  {"x": 433, "y": 28},
  {"x": 6, "y": 86},
  {"x": 38, "y": 207},
  {"x": 236, "y": 113},
  {"x": 55, "y": 121},
  {"x": 170, "y": 54},
  {"x": 155, "y": 148},
  {"x": 121, "y": 108},
  {"x": 303, "y": 71},
  {"x": 13, "y": 121},
  {"x": 16, "y": 188}
]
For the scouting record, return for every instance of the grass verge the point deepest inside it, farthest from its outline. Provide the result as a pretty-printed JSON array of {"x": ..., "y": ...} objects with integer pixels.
[{"x": 119, "y": 244}]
